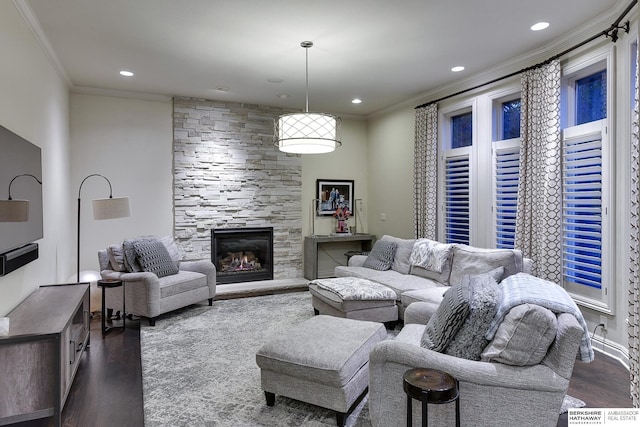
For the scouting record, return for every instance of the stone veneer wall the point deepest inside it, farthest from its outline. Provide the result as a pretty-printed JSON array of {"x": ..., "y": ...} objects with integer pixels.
[{"x": 228, "y": 174}]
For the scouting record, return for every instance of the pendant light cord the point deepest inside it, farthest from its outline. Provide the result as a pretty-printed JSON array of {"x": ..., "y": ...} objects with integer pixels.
[{"x": 306, "y": 46}]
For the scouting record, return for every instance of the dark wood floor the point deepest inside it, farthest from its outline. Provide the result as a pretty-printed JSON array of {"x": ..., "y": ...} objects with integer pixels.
[{"x": 107, "y": 390}]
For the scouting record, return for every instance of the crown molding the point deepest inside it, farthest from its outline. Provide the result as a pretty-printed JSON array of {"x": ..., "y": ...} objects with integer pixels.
[
  {"x": 145, "y": 96},
  {"x": 32, "y": 22}
]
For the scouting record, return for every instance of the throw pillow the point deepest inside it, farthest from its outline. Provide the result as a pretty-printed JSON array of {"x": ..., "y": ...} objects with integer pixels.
[
  {"x": 116, "y": 257},
  {"x": 430, "y": 255},
  {"x": 172, "y": 248},
  {"x": 381, "y": 256},
  {"x": 470, "y": 341},
  {"x": 403, "y": 252},
  {"x": 155, "y": 258},
  {"x": 524, "y": 336},
  {"x": 448, "y": 318},
  {"x": 130, "y": 258},
  {"x": 472, "y": 261},
  {"x": 131, "y": 262}
]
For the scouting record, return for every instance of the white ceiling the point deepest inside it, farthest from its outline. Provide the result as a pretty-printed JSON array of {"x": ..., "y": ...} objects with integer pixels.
[{"x": 381, "y": 51}]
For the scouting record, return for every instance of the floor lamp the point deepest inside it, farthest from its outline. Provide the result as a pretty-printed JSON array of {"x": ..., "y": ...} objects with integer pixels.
[{"x": 109, "y": 208}]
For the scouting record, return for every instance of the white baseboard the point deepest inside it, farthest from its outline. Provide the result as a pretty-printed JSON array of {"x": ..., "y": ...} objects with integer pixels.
[{"x": 611, "y": 349}]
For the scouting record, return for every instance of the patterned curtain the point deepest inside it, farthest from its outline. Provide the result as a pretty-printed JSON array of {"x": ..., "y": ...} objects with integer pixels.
[
  {"x": 538, "y": 218},
  {"x": 425, "y": 172},
  {"x": 634, "y": 262}
]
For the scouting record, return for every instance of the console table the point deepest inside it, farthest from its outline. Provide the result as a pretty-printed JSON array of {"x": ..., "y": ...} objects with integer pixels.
[
  {"x": 48, "y": 332},
  {"x": 334, "y": 247}
]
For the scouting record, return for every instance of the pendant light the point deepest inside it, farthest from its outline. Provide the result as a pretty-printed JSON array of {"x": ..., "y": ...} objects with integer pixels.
[{"x": 307, "y": 133}]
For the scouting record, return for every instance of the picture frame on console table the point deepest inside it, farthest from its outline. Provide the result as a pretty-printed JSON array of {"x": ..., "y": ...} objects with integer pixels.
[{"x": 332, "y": 193}]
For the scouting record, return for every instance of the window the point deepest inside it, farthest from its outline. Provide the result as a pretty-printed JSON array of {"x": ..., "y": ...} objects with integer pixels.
[
  {"x": 507, "y": 174},
  {"x": 582, "y": 211},
  {"x": 506, "y": 169},
  {"x": 587, "y": 180},
  {"x": 455, "y": 197},
  {"x": 591, "y": 97},
  {"x": 510, "y": 115},
  {"x": 585, "y": 223},
  {"x": 461, "y": 130},
  {"x": 457, "y": 200},
  {"x": 586, "y": 89}
]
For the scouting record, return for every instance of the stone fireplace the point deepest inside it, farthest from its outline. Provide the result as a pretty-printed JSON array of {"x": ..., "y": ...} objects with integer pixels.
[
  {"x": 228, "y": 175},
  {"x": 242, "y": 254}
]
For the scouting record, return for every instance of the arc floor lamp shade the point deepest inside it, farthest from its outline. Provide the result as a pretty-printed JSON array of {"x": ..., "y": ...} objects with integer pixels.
[{"x": 116, "y": 207}]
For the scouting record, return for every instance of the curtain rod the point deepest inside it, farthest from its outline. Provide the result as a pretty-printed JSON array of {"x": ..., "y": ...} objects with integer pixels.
[{"x": 612, "y": 32}]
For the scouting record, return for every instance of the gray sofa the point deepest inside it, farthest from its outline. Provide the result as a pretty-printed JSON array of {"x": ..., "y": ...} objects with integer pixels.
[
  {"x": 148, "y": 295},
  {"x": 413, "y": 283},
  {"x": 491, "y": 394}
]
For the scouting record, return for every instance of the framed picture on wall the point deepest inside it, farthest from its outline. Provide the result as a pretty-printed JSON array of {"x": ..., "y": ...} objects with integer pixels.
[{"x": 332, "y": 194}]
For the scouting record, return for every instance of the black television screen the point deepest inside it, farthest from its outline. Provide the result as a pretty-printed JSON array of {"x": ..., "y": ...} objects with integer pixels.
[{"x": 20, "y": 157}]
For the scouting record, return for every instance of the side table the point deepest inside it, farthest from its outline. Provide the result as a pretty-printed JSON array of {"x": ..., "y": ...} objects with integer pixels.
[
  {"x": 110, "y": 283},
  {"x": 430, "y": 386}
]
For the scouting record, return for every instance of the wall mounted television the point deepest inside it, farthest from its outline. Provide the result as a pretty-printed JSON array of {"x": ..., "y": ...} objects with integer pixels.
[{"x": 17, "y": 157}]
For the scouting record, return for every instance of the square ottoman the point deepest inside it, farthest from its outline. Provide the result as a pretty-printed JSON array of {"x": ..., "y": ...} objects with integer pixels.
[
  {"x": 323, "y": 361},
  {"x": 354, "y": 298}
]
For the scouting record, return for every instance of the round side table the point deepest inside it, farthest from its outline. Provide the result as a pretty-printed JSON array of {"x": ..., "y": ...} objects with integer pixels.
[
  {"x": 110, "y": 283},
  {"x": 430, "y": 386}
]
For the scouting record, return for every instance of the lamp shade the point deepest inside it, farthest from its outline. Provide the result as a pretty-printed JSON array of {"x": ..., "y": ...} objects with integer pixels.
[
  {"x": 113, "y": 207},
  {"x": 307, "y": 133},
  {"x": 14, "y": 210}
]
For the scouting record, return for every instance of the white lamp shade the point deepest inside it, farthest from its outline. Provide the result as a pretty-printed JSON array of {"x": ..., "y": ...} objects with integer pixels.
[
  {"x": 14, "y": 210},
  {"x": 307, "y": 133},
  {"x": 116, "y": 207},
  {"x": 95, "y": 295}
]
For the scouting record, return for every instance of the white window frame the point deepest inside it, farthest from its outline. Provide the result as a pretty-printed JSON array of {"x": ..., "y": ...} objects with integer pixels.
[
  {"x": 499, "y": 146},
  {"x": 575, "y": 69},
  {"x": 449, "y": 153}
]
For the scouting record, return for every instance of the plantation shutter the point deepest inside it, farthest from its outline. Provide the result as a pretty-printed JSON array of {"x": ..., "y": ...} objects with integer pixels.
[
  {"x": 582, "y": 211},
  {"x": 507, "y": 173},
  {"x": 457, "y": 200}
]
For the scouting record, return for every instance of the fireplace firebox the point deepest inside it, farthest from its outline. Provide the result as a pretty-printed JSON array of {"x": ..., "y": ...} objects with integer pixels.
[{"x": 242, "y": 254}]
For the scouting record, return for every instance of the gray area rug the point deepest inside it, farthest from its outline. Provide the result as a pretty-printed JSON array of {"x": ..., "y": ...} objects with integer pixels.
[{"x": 199, "y": 369}]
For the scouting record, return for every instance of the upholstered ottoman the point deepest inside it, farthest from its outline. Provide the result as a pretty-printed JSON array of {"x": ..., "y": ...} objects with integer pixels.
[
  {"x": 323, "y": 361},
  {"x": 354, "y": 298}
]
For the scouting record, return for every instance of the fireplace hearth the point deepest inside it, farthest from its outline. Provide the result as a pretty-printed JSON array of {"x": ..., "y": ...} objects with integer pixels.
[{"x": 242, "y": 254}]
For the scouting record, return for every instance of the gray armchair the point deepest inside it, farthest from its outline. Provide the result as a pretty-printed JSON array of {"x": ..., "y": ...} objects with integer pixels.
[
  {"x": 149, "y": 296},
  {"x": 491, "y": 394}
]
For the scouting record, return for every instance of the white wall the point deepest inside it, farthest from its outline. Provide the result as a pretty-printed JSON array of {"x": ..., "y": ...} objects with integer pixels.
[
  {"x": 347, "y": 162},
  {"x": 390, "y": 163},
  {"x": 34, "y": 105},
  {"x": 129, "y": 141}
]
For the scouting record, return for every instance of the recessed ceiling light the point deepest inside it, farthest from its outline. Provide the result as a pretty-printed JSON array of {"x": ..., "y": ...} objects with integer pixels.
[
  {"x": 283, "y": 95},
  {"x": 223, "y": 88},
  {"x": 126, "y": 73},
  {"x": 356, "y": 101},
  {"x": 539, "y": 26},
  {"x": 457, "y": 69}
]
